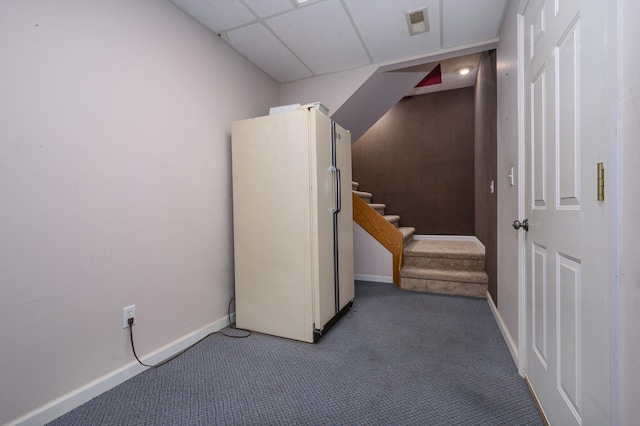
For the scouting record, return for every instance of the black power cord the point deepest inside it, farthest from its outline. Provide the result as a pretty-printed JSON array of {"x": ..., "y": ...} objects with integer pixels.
[{"x": 171, "y": 358}]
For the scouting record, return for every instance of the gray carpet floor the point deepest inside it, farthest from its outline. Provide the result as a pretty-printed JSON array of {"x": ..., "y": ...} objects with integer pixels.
[{"x": 396, "y": 358}]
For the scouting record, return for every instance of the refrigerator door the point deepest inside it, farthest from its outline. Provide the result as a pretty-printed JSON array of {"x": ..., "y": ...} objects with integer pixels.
[
  {"x": 324, "y": 202},
  {"x": 345, "y": 218},
  {"x": 333, "y": 220}
]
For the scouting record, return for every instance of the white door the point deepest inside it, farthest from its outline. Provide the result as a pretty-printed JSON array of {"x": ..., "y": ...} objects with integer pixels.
[{"x": 567, "y": 245}]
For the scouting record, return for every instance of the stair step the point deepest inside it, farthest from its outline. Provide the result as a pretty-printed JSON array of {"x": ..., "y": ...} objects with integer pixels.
[
  {"x": 354, "y": 186},
  {"x": 392, "y": 219},
  {"x": 446, "y": 249},
  {"x": 449, "y": 255},
  {"x": 479, "y": 277},
  {"x": 445, "y": 267},
  {"x": 366, "y": 196},
  {"x": 445, "y": 287},
  {"x": 407, "y": 233},
  {"x": 444, "y": 263},
  {"x": 378, "y": 207},
  {"x": 459, "y": 283}
]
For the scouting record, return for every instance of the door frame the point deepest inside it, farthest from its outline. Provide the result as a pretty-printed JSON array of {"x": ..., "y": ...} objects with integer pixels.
[
  {"x": 612, "y": 194},
  {"x": 522, "y": 271}
]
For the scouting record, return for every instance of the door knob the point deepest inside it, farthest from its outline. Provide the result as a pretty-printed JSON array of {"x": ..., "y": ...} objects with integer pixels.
[{"x": 524, "y": 224}]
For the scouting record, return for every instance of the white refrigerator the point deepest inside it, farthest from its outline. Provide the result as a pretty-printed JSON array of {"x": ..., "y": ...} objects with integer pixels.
[{"x": 292, "y": 223}]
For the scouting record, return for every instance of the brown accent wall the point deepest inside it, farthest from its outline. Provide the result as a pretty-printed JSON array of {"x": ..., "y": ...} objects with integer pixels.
[
  {"x": 418, "y": 159},
  {"x": 486, "y": 213}
]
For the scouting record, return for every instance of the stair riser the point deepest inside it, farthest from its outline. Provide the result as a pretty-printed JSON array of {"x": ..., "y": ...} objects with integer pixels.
[
  {"x": 428, "y": 274},
  {"x": 444, "y": 287},
  {"x": 444, "y": 263},
  {"x": 380, "y": 211}
]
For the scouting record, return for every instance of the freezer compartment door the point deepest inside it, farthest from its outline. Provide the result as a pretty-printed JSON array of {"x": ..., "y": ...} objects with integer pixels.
[
  {"x": 334, "y": 219},
  {"x": 346, "y": 291},
  {"x": 323, "y": 188}
]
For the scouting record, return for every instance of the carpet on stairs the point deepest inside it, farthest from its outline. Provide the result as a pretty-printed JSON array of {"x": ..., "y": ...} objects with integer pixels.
[{"x": 445, "y": 267}]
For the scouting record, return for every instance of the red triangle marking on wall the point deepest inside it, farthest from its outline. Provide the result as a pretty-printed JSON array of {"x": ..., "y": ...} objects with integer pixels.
[{"x": 434, "y": 77}]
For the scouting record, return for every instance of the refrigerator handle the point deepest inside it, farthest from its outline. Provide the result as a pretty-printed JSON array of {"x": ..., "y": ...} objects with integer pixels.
[
  {"x": 339, "y": 192},
  {"x": 338, "y": 202}
]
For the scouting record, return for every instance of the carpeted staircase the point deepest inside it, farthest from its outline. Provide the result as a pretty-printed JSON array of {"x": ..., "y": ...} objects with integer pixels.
[
  {"x": 407, "y": 231},
  {"x": 447, "y": 267},
  {"x": 435, "y": 266}
]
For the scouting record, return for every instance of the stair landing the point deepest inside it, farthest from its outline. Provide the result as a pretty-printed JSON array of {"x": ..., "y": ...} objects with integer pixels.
[
  {"x": 447, "y": 248},
  {"x": 446, "y": 267}
]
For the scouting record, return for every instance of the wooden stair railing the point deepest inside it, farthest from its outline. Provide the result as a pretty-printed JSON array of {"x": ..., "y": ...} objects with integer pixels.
[{"x": 379, "y": 228}]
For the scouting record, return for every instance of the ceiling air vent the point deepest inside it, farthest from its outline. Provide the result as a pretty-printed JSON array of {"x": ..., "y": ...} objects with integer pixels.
[{"x": 418, "y": 21}]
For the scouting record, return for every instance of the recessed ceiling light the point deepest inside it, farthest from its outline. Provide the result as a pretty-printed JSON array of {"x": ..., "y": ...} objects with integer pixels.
[
  {"x": 464, "y": 71},
  {"x": 301, "y": 1},
  {"x": 418, "y": 21}
]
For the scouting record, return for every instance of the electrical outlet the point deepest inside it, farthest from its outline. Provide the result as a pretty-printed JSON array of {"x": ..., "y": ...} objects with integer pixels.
[{"x": 128, "y": 312}]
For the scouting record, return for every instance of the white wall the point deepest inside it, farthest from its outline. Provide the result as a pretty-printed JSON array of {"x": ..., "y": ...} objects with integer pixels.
[
  {"x": 629, "y": 208},
  {"x": 115, "y": 185},
  {"x": 507, "y": 92},
  {"x": 332, "y": 90},
  {"x": 356, "y": 98},
  {"x": 371, "y": 261}
]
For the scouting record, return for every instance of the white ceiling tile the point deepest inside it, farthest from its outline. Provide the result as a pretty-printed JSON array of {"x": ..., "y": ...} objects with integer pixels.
[
  {"x": 468, "y": 21},
  {"x": 383, "y": 27},
  {"x": 267, "y": 52},
  {"x": 217, "y": 15},
  {"x": 322, "y": 36},
  {"x": 326, "y": 38},
  {"x": 269, "y": 8}
]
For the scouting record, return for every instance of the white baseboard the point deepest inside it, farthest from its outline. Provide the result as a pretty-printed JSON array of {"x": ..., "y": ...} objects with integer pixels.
[
  {"x": 511, "y": 344},
  {"x": 373, "y": 278},
  {"x": 79, "y": 396}
]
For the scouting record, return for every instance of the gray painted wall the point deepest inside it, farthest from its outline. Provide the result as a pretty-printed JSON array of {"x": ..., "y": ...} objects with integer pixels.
[
  {"x": 115, "y": 183},
  {"x": 485, "y": 164},
  {"x": 507, "y": 195},
  {"x": 418, "y": 160}
]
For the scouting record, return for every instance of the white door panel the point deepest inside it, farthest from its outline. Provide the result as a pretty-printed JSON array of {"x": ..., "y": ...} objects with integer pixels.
[{"x": 567, "y": 290}]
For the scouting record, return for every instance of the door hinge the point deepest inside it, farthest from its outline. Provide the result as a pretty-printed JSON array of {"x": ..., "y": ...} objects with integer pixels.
[{"x": 600, "y": 181}]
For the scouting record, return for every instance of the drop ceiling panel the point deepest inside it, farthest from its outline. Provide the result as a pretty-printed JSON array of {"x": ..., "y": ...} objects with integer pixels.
[
  {"x": 469, "y": 21},
  {"x": 265, "y": 50},
  {"x": 322, "y": 36},
  {"x": 291, "y": 41},
  {"x": 269, "y": 8},
  {"x": 388, "y": 38},
  {"x": 218, "y": 15}
]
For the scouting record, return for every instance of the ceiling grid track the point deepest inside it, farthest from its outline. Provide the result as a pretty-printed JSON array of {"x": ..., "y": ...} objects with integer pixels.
[
  {"x": 441, "y": 24},
  {"x": 263, "y": 22},
  {"x": 364, "y": 46},
  {"x": 291, "y": 41}
]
